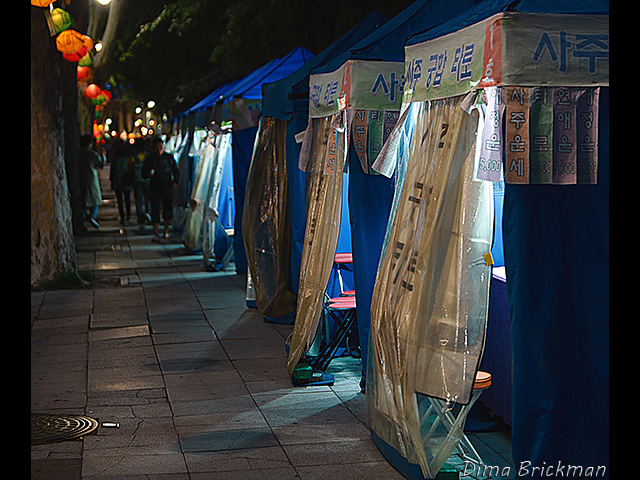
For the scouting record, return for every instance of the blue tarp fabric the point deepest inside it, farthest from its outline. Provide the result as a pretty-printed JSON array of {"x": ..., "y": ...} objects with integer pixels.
[
  {"x": 386, "y": 43},
  {"x": 556, "y": 253},
  {"x": 251, "y": 86},
  {"x": 242, "y": 149}
]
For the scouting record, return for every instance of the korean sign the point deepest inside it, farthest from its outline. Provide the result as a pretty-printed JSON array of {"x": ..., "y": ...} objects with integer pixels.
[
  {"x": 511, "y": 48},
  {"x": 357, "y": 84}
]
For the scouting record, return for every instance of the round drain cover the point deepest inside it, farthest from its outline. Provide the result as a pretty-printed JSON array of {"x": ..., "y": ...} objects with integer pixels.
[{"x": 49, "y": 428}]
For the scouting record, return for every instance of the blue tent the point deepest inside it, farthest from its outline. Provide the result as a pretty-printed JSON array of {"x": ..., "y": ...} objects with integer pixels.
[
  {"x": 370, "y": 196},
  {"x": 287, "y": 100},
  {"x": 219, "y": 103},
  {"x": 250, "y": 88},
  {"x": 555, "y": 251},
  {"x": 208, "y": 101}
]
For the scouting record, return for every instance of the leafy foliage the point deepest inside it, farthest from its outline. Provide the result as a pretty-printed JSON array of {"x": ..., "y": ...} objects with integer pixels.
[{"x": 194, "y": 46}]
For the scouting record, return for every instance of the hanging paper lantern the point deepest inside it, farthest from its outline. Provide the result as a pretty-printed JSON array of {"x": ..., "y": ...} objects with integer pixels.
[
  {"x": 83, "y": 73},
  {"x": 86, "y": 60},
  {"x": 102, "y": 99},
  {"x": 42, "y": 3},
  {"x": 76, "y": 56},
  {"x": 70, "y": 41},
  {"x": 98, "y": 99},
  {"x": 59, "y": 20},
  {"x": 87, "y": 41},
  {"x": 92, "y": 91}
]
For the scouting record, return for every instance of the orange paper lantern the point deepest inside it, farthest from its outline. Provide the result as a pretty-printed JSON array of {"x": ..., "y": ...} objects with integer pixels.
[
  {"x": 42, "y": 3},
  {"x": 92, "y": 91},
  {"x": 70, "y": 41}
]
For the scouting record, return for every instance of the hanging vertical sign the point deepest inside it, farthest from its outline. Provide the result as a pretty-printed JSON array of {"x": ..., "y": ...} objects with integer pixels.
[
  {"x": 375, "y": 134},
  {"x": 517, "y": 134},
  {"x": 588, "y": 135},
  {"x": 565, "y": 161},
  {"x": 541, "y": 135},
  {"x": 360, "y": 124},
  {"x": 490, "y": 164}
]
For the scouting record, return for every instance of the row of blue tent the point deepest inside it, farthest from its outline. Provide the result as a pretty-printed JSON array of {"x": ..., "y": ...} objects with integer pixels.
[{"x": 547, "y": 335}]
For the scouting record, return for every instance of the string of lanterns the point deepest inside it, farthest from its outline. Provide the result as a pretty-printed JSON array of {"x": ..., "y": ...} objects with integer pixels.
[{"x": 76, "y": 48}]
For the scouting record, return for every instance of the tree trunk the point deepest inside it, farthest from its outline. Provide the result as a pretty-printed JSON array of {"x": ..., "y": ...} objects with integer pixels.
[{"x": 52, "y": 240}]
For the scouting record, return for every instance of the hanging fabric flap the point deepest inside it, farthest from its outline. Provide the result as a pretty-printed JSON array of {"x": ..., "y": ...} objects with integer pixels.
[
  {"x": 324, "y": 210},
  {"x": 266, "y": 231}
]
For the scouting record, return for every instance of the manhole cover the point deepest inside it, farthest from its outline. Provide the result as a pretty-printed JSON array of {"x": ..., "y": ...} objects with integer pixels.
[{"x": 58, "y": 428}]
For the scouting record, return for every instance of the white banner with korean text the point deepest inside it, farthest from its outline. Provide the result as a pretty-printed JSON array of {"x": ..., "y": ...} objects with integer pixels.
[{"x": 511, "y": 48}]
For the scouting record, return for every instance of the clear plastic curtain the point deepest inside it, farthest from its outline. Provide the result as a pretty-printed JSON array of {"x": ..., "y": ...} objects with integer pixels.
[
  {"x": 430, "y": 300},
  {"x": 324, "y": 167},
  {"x": 266, "y": 221},
  {"x": 192, "y": 233},
  {"x": 211, "y": 207}
]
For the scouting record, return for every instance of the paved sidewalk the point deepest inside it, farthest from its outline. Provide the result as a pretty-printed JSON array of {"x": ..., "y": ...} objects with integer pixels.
[{"x": 196, "y": 381}]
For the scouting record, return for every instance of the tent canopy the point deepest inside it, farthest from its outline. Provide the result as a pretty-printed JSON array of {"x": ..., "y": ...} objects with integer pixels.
[
  {"x": 250, "y": 86},
  {"x": 387, "y": 42},
  {"x": 490, "y": 7},
  {"x": 276, "y": 101}
]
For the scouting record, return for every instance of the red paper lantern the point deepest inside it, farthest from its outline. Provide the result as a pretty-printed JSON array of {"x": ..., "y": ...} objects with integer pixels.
[
  {"x": 76, "y": 56},
  {"x": 83, "y": 73},
  {"x": 92, "y": 91}
]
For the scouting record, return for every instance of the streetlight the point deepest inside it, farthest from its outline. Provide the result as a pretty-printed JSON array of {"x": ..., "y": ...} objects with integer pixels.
[
  {"x": 151, "y": 104},
  {"x": 104, "y": 2}
]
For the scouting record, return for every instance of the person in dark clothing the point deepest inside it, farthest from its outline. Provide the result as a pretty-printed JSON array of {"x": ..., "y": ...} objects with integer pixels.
[
  {"x": 119, "y": 183},
  {"x": 163, "y": 174},
  {"x": 140, "y": 184}
]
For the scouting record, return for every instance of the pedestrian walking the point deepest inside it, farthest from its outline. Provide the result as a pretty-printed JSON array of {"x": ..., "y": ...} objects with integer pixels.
[
  {"x": 89, "y": 161},
  {"x": 140, "y": 184},
  {"x": 121, "y": 180},
  {"x": 163, "y": 174}
]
